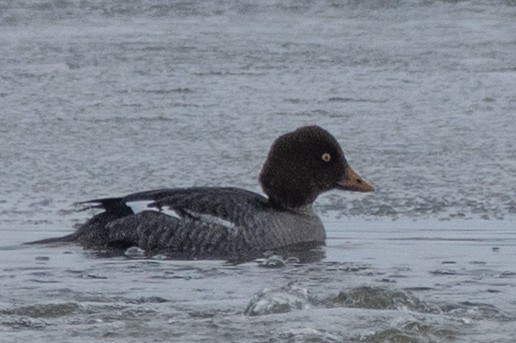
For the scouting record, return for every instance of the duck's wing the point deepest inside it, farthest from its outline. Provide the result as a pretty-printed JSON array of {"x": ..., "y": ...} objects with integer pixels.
[
  {"x": 225, "y": 203},
  {"x": 182, "y": 222}
]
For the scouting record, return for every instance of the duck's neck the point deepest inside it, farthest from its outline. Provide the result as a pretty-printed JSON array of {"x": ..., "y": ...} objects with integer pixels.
[{"x": 306, "y": 209}]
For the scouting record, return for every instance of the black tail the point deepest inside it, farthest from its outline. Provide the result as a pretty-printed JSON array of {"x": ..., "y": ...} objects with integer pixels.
[
  {"x": 63, "y": 239},
  {"x": 93, "y": 232},
  {"x": 115, "y": 206}
]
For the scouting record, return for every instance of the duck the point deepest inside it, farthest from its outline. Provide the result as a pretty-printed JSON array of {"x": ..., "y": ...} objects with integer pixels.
[{"x": 229, "y": 222}]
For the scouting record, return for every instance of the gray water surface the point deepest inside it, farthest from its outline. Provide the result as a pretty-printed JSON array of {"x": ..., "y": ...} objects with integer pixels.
[{"x": 102, "y": 99}]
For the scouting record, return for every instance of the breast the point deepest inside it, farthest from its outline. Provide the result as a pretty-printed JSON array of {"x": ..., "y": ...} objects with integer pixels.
[{"x": 273, "y": 229}]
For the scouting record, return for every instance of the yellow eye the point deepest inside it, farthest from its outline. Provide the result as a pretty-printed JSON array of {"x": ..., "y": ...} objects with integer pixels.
[{"x": 326, "y": 157}]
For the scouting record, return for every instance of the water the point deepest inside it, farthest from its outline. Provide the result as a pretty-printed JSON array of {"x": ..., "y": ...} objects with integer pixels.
[{"x": 104, "y": 99}]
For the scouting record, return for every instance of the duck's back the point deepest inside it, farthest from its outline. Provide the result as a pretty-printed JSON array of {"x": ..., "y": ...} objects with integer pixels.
[{"x": 197, "y": 222}]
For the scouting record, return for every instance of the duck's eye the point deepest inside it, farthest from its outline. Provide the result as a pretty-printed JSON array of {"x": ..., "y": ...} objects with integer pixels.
[{"x": 326, "y": 157}]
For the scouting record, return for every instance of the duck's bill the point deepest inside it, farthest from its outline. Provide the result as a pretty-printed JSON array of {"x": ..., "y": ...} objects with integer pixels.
[{"x": 353, "y": 182}]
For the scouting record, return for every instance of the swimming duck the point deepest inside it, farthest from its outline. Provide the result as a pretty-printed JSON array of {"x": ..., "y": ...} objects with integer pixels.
[{"x": 225, "y": 222}]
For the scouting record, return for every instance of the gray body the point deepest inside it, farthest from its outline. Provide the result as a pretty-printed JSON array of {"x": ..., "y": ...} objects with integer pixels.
[{"x": 208, "y": 222}]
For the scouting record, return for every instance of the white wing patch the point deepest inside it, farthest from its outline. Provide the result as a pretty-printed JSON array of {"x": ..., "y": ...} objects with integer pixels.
[
  {"x": 143, "y": 205},
  {"x": 170, "y": 212},
  {"x": 140, "y": 206},
  {"x": 211, "y": 219}
]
